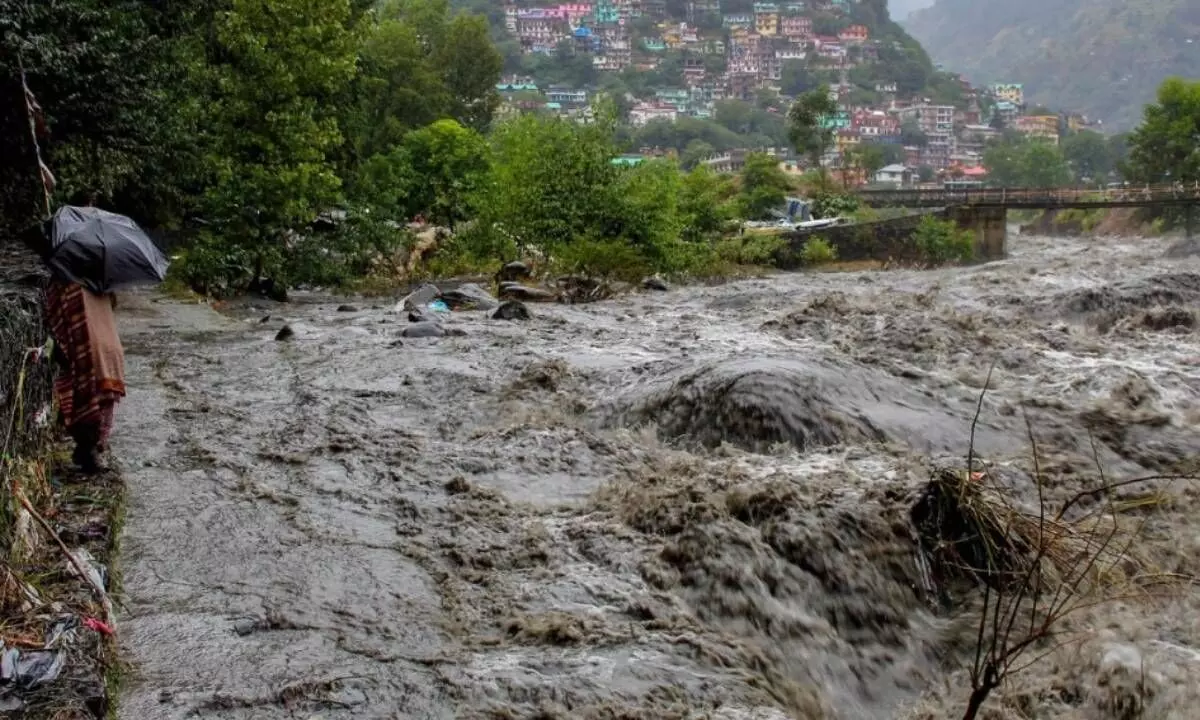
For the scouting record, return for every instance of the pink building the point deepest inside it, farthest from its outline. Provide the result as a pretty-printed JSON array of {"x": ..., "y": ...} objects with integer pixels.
[
  {"x": 797, "y": 26},
  {"x": 855, "y": 34}
]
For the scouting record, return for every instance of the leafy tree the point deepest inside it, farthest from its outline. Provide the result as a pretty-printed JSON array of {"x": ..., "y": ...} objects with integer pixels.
[
  {"x": 100, "y": 71},
  {"x": 1090, "y": 155},
  {"x": 550, "y": 184},
  {"x": 704, "y": 204},
  {"x": 912, "y": 134},
  {"x": 925, "y": 173},
  {"x": 797, "y": 78},
  {"x": 764, "y": 186},
  {"x": 269, "y": 122},
  {"x": 451, "y": 162},
  {"x": 470, "y": 68},
  {"x": 420, "y": 64},
  {"x": 867, "y": 157},
  {"x": 1166, "y": 147},
  {"x": 695, "y": 151},
  {"x": 893, "y": 154},
  {"x": 1026, "y": 163},
  {"x": 807, "y": 126}
]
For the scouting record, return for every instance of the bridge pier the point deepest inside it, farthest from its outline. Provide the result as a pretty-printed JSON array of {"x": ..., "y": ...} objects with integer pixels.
[{"x": 990, "y": 226}]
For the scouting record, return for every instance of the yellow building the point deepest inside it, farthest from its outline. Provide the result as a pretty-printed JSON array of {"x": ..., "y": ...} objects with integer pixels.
[
  {"x": 1039, "y": 126},
  {"x": 766, "y": 23}
]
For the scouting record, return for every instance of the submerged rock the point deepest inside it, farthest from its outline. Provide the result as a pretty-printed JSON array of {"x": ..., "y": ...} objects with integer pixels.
[
  {"x": 511, "y": 310},
  {"x": 1186, "y": 248},
  {"x": 347, "y": 308},
  {"x": 285, "y": 333},
  {"x": 425, "y": 328},
  {"x": 811, "y": 404},
  {"x": 655, "y": 283}
]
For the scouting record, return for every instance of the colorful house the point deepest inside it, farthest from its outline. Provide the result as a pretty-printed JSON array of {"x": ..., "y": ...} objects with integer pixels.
[
  {"x": 1044, "y": 127},
  {"x": 1009, "y": 92},
  {"x": 854, "y": 35},
  {"x": 797, "y": 26},
  {"x": 766, "y": 23}
]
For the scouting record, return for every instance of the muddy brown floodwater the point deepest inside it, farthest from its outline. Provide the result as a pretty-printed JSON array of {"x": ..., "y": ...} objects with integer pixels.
[{"x": 680, "y": 504}]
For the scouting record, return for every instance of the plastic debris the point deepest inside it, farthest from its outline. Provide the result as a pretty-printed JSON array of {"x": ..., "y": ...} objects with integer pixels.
[
  {"x": 97, "y": 573},
  {"x": 438, "y": 306},
  {"x": 26, "y": 670},
  {"x": 99, "y": 626}
]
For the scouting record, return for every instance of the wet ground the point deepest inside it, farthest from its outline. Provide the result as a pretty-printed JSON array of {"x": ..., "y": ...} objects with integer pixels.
[{"x": 681, "y": 504}]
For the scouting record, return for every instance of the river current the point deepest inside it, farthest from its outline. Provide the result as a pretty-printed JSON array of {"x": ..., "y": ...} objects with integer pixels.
[{"x": 677, "y": 504}]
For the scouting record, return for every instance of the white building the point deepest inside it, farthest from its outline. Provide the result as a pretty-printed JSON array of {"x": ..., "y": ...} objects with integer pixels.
[{"x": 898, "y": 175}]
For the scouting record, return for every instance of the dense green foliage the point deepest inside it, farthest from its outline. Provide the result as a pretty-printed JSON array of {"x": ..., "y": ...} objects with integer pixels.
[
  {"x": 763, "y": 187},
  {"x": 941, "y": 241},
  {"x": 807, "y": 127},
  {"x": 817, "y": 250},
  {"x": 1166, "y": 148},
  {"x": 1020, "y": 162}
]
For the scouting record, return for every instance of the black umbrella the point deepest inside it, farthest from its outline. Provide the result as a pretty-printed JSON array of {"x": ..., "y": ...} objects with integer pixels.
[{"x": 100, "y": 250}]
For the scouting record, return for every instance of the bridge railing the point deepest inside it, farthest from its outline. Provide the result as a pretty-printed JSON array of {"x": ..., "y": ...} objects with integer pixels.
[{"x": 1037, "y": 196}]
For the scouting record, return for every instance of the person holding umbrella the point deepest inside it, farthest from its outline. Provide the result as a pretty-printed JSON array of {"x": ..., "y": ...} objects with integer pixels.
[
  {"x": 91, "y": 253},
  {"x": 91, "y": 363}
]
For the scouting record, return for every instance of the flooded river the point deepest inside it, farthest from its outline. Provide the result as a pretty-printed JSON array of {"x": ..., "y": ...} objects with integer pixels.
[{"x": 677, "y": 504}]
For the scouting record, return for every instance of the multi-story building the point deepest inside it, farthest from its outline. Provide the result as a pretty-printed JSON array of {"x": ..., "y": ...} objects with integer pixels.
[
  {"x": 1006, "y": 112},
  {"x": 932, "y": 119},
  {"x": 694, "y": 71},
  {"x": 1009, "y": 92},
  {"x": 738, "y": 20},
  {"x": 566, "y": 96},
  {"x": 766, "y": 23},
  {"x": 798, "y": 27},
  {"x": 643, "y": 113},
  {"x": 1044, "y": 127},
  {"x": 854, "y": 35},
  {"x": 875, "y": 124},
  {"x": 540, "y": 28},
  {"x": 829, "y": 48}
]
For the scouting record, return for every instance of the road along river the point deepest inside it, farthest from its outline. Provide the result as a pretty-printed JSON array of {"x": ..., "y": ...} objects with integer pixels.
[{"x": 680, "y": 504}]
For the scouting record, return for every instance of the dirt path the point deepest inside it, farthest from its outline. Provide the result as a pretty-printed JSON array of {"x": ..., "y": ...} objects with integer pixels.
[{"x": 348, "y": 524}]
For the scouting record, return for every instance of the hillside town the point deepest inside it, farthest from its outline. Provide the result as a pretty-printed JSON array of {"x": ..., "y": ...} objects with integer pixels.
[{"x": 745, "y": 56}]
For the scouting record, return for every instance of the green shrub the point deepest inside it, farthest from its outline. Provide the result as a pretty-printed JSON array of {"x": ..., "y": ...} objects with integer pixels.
[
  {"x": 828, "y": 205},
  {"x": 941, "y": 241},
  {"x": 817, "y": 250},
  {"x": 755, "y": 249},
  {"x": 359, "y": 247}
]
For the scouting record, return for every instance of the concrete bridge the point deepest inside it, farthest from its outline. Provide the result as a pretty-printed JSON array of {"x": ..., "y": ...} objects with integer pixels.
[{"x": 984, "y": 210}]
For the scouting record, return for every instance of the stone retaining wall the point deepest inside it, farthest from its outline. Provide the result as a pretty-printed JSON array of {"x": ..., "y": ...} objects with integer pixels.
[{"x": 884, "y": 240}]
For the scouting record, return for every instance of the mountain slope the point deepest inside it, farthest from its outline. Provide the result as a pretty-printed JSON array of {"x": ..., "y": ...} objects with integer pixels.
[
  {"x": 900, "y": 9},
  {"x": 1104, "y": 58}
]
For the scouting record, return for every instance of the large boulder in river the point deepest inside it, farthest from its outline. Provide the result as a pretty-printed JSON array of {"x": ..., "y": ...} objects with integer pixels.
[
  {"x": 511, "y": 310},
  {"x": 469, "y": 296},
  {"x": 420, "y": 297},
  {"x": 515, "y": 270}
]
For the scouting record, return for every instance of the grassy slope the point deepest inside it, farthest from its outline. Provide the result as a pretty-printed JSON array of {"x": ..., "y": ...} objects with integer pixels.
[{"x": 1104, "y": 58}]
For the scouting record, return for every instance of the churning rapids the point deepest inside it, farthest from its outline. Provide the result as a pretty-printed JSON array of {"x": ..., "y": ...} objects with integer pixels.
[{"x": 680, "y": 504}]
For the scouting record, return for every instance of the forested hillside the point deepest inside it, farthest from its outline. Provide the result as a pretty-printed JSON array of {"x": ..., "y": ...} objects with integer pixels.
[{"x": 1103, "y": 58}]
